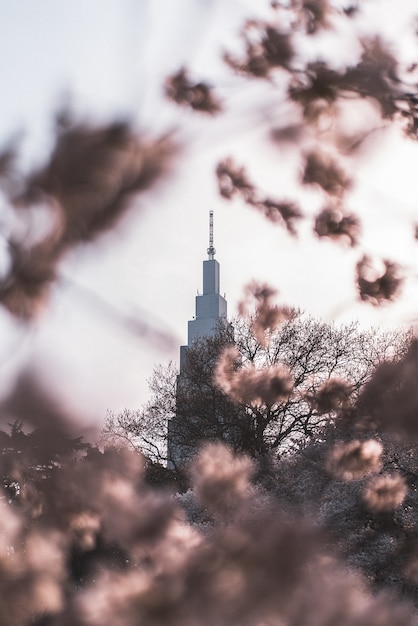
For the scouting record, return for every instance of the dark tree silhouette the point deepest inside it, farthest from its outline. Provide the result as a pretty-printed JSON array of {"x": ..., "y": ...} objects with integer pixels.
[{"x": 260, "y": 394}]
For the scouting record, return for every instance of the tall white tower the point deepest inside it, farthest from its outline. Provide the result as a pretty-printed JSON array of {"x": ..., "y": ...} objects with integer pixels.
[{"x": 211, "y": 307}]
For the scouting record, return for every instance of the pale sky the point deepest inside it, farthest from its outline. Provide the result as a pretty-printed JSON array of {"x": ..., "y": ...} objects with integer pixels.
[{"x": 111, "y": 58}]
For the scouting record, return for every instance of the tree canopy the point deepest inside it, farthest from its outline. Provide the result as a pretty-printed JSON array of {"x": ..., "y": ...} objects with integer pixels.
[{"x": 260, "y": 394}]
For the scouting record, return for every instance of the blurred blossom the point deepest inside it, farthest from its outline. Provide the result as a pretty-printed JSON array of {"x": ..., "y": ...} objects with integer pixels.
[
  {"x": 334, "y": 224},
  {"x": 10, "y": 525},
  {"x": 32, "y": 577},
  {"x": 249, "y": 385},
  {"x": 221, "y": 480},
  {"x": 266, "y": 48},
  {"x": 378, "y": 285},
  {"x": 355, "y": 460},
  {"x": 233, "y": 181},
  {"x": 385, "y": 493},
  {"x": 333, "y": 395},
  {"x": 84, "y": 528},
  {"x": 199, "y": 96},
  {"x": 389, "y": 401},
  {"x": 411, "y": 569},
  {"x": 261, "y": 293},
  {"x": 267, "y": 316},
  {"x": 283, "y": 212},
  {"x": 321, "y": 169},
  {"x": 86, "y": 187},
  {"x": 315, "y": 14},
  {"x": 375, "y": 76}
]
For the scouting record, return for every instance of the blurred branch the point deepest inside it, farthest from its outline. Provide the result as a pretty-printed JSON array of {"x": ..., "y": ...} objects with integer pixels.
[
  {"x": 137, "y": 325},
  {"x": 88, "y": 185}
]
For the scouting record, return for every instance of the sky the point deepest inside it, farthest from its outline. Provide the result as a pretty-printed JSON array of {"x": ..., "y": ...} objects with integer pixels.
[{"x": 109, "y": 60}]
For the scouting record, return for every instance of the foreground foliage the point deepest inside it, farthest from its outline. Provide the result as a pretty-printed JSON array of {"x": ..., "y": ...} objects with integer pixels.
[{"x": 90, "y": 544}]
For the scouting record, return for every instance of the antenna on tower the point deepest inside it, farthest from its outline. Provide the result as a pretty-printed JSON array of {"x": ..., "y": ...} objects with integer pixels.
[{"x": 211, "y": 249}]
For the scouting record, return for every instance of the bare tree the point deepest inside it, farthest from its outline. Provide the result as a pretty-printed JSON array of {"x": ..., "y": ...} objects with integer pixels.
[
  {"x": 251, "y": 407},
  {"x": 145, "y": 429},
  {"x": 317, "y": 355}
]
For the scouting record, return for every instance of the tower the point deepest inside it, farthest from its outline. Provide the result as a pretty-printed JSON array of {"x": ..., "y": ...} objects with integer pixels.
[
  {"x": 211, "y": 309},
  {"x": 210, "y": 306}
]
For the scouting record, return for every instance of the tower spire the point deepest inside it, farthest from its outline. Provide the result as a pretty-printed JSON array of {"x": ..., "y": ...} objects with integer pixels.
[{"x": 211, "y": 249}]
